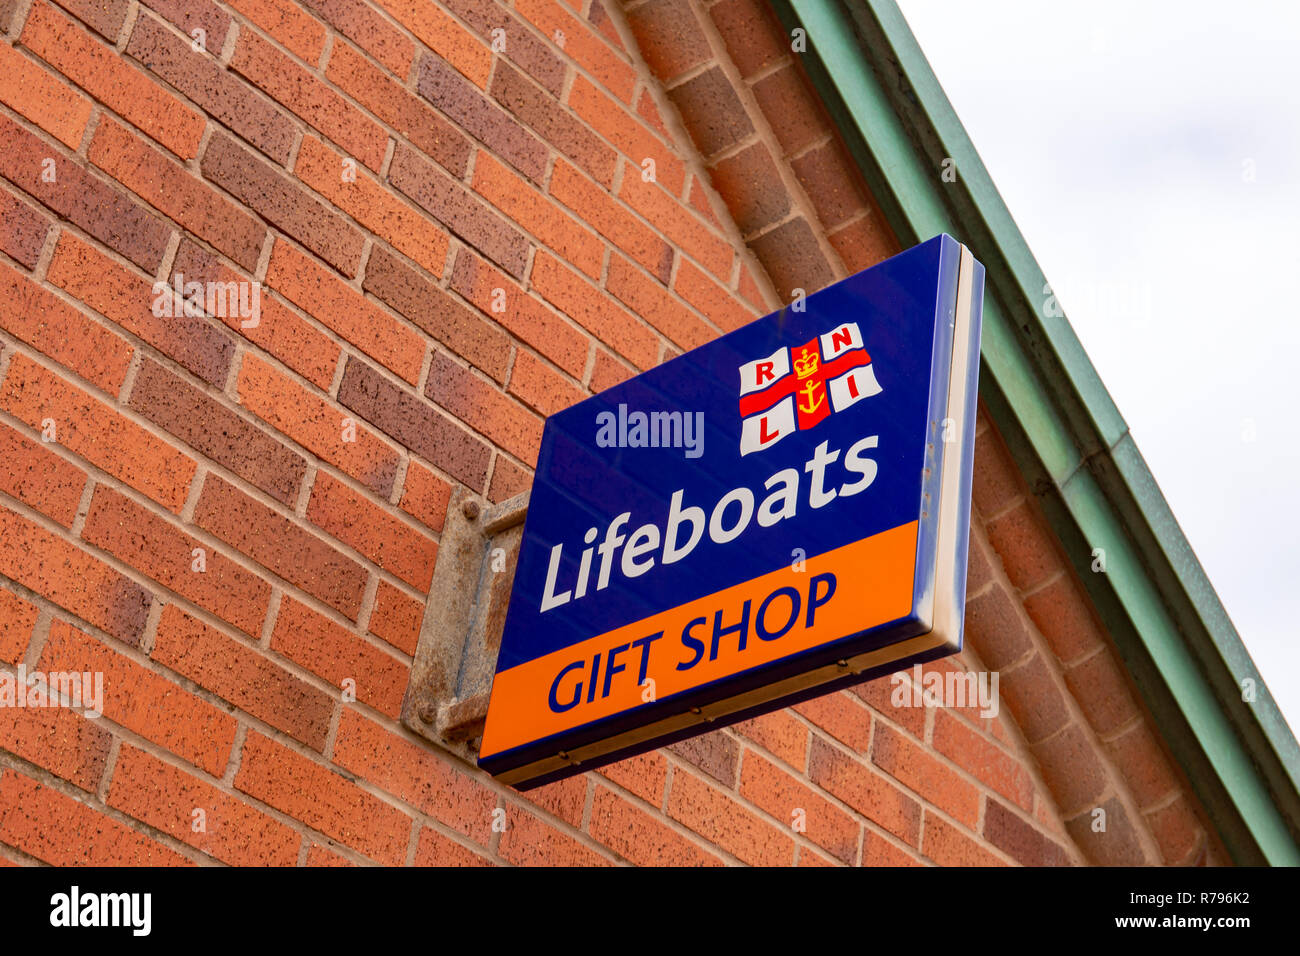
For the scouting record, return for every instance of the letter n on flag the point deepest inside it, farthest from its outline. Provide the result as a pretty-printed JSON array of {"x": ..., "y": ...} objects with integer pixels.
[{"x": 797, "y": 388}]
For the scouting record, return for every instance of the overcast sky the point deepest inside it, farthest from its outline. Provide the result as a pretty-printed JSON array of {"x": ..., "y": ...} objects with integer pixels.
[{"x": 1150, "y": 153}]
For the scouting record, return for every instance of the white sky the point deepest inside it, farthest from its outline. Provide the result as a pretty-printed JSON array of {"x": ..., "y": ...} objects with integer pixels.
[{"x": 1150, "y": 153}]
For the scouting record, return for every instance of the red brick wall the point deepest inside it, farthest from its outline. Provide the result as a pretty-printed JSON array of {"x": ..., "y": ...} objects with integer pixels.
[{"x": 496, "y": 256}]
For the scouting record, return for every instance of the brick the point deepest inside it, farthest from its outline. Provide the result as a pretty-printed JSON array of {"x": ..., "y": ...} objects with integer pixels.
[
  {"x": 300, "y": 33},
  {"x": 749, "y": 290},
  {"x": 1026, "y": 547},
  {"x": 474, "y": 400},
  {"x": 881, "y": 694},
  {"x": 22, "y": 229},
  {"x": 191, "y": 15},
  {"x": 165, "y": 797},
  {"x": 56, "y": 739},
  {"x": 540, "y": 387},
  {"x": 530, "y": 841},
  {"x": 780, "y": 734},
  {"x": 722, "y": 821},
  {"x": 472, "y": 111},
  {"x": 281, "y": 545},
  {"x": 865, "y": 241},
  {"x": 317, "y": 424},
  {"x": 868, "y": 792},
  {"x": 792, "y": 259},
  {"x": 719, "y": 306},
  {"x": 641, "y": 838},
  {"x": 366, "y": 27},
  {"x": 434, "y": 849},
  {"x": 62, "y": 831},
  {"x": 791, "y": 108},
  {"x": 396, "y": 618},
  {"x": 627, "y": 133},
  {"x": 211, "y": 428},
  {"x": 600, "y": 19},
  {"x": 1117, "y": 845},
  {"x": 1177, "y": 831},
  {"x": 401, "y": 109},
  {"x": 949, "y": 846},
  {"x": 915, "y": 768},
  {"x": 309, "y": 98},
  {"x": 105, "y": 17},
  {"x": 445, "y": 37},
  {"x": 459, "y": 210},
  {"x": 1062, "y": 614},
  {"x": 326, "y": 297},
  {"x": 41, "y": 97},
  {"x": 523, "y": 48},
  {"x": 995, "y": 629},
  {"x": 37, "y": 476},
  {"x": 163, "y": 552},
  {"x": 983, "y": 760},
  {"x": 842, "y": 716},
  {"x": 996, "y": 483},
  {"x": 649, "y": 300},
  {"x": 425, "y": 496},
  {"x": 318, "y": 855},
  {"x": 829, "y": 181},
  {"x": 648, "y": 110},
  {"x": 1020, "y": 840},
  {"x": 979, "y": 570},
  {"x": 220, "y": 93},
  {"x": 1103, "y": 692},
  {"x": 539, "y": 215},
  {"x": 712, "y": 111},
  {"x": 126, "y": 298},
  {"x": 566, "y": 799},
  {"x": 98, "y": 70},
  {"x": 243, "y": 676},
  {"x": 878, "y": 851},
  {"x": 751, "y": 33},
  {"x": 679, "y": 224},
  {"x": 97, "y": 433},
  {"x": 416, "y": 775},
  {"x": 781, "y": 795},
  {"x": 172, "y": 191},
  {"x": 392, "y": 544},
  {"x": 751, "y": 186},
  {"x": 1038, "y": 706},
  {"x": 323, "y": 799},
  {"x": 71, "y": 578},
  {"x": 277, "y": 329},
  {"x": 415, "y": 424},
  {"x": 716, "y": 753},
  {"x": 508, "y": 480},
  {"x": 646, "y": 775},
  {"x": 521, "y": 315},
  {"x": 611, "y": 220},
  {"x": 81, "y": 198},
  {"x": 336, "y": 655},
  {"x": 1071, "y": 769},
  {"x": 372, "y": 205},
  {"x": 17, "y": 618},
  {"x": 587, "y": 306},
  {"x": 144, "y": 702},
  {"x": 439, "y": 314},
  {"x": 540, "y": 111},
  {"x": 669, "y": 37},
  {"x": 607, "y": 371},
  {"x": 1141, "y": 760},
  {"x": 582, "y": 45},
  {"x": 283, "y": 202}
]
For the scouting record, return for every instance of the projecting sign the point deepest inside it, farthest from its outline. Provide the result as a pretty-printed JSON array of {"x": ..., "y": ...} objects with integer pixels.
[{"x": 775, "y": 514}]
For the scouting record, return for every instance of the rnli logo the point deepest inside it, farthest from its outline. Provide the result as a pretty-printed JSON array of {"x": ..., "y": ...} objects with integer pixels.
[{"x": 797, "y": 388}]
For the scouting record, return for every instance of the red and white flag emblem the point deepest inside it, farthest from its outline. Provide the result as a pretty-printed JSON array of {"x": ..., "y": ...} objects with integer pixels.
[{"x": 797, "y": 388}]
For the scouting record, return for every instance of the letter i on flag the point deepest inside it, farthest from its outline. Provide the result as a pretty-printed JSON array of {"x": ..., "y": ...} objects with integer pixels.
[{"x": 797, "y": 388}]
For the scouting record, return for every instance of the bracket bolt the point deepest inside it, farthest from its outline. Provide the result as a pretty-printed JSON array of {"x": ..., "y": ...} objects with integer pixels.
[
  {"x": 428, "y": 713},
  {"x": 470, "y": 509}
]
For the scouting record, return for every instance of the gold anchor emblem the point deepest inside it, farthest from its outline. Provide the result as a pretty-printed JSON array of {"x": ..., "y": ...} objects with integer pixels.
[{"x": 814, "y": 400}]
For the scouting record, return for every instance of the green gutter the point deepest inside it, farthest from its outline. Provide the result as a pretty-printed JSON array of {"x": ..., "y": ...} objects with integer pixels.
[{"x": 1065, "y": 432}]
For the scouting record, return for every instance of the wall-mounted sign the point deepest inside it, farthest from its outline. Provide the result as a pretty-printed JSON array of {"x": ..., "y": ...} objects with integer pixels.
[{"x": 775, "y": 514}]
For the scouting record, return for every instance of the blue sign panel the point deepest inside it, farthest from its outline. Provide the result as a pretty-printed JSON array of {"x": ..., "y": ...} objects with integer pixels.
[{"x": 772, "y": 515}]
